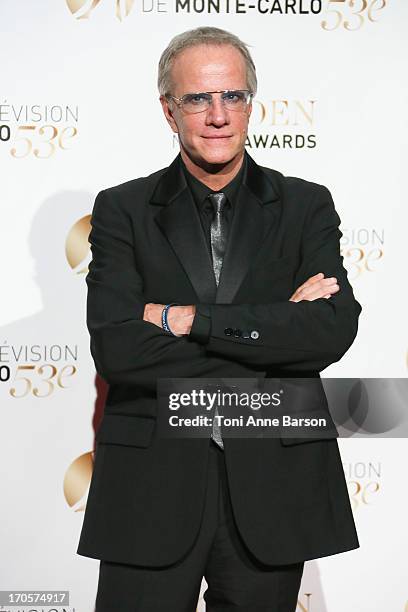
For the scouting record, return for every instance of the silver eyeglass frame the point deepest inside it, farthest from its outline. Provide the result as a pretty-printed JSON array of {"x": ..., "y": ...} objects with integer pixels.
[{"x": 180, "y": 101}]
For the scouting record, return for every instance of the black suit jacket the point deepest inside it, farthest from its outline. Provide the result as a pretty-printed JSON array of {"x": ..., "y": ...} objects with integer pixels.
[{"x": 146, "y": 496}]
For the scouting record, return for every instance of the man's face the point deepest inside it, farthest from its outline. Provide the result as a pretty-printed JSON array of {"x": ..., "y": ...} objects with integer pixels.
[{"x": 218, "y": 135}]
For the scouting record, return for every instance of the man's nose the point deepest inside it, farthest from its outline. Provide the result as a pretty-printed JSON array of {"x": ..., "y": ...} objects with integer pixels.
[{"x": 217, "y": 114}]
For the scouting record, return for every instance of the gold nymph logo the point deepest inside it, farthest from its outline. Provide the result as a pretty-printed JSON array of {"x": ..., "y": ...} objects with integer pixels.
[
  {"x": 83, "y": 8},
  {"x": 76, "y": 481},
  {"x": 77, "y": 249}
]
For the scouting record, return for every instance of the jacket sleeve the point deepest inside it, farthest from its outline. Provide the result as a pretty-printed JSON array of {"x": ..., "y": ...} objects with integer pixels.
[
  {"x": 306, "y": 335},
  {"x": 125, "y": 348}
]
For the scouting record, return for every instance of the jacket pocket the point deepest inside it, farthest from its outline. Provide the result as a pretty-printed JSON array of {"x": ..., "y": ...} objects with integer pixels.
[
  {"x": 126, "y": 430},
  {"x": 293, "y": 434}
]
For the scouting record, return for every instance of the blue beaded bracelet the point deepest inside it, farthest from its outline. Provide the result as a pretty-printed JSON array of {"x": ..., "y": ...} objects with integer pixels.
[{"x": 165, "y": 324}]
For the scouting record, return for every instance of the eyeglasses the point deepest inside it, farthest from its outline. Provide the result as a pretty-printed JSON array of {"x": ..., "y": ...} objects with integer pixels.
[{"x": 232, "y": 99}]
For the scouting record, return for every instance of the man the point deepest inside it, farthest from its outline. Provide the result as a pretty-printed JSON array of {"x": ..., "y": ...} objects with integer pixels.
[{"x": 213, "y": 267}]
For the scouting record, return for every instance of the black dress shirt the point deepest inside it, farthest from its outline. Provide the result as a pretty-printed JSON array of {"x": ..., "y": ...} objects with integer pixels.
[
  {"x": 201, "y": 328},
  {"x": 200, "y": 193}
]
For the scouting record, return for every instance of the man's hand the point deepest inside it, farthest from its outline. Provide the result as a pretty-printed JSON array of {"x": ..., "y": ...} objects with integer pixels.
[
  {"x": 315, "y": 287},
  {"x": 179, "y": 318}
]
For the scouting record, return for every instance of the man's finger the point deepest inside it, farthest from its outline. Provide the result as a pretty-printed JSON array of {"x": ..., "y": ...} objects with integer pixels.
[
  {"x": 315, "y": 287},
  {"x": 310, "y": 280},
  {"x": 314, "y": 295},
  {"x": 313, "y": 280},
  {"x": 324, "y": 286}
]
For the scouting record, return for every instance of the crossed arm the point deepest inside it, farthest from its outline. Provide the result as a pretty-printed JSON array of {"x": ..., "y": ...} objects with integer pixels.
[
  {"x": 181, "y": 318},
  {"x": 311, "y": 330}
]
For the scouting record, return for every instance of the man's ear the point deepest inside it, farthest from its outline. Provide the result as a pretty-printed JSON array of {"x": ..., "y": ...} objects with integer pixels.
[{"x": 168, "y": 113}]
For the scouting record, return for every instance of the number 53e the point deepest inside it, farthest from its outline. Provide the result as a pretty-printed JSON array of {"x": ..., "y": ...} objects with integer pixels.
[
  {"x": 41, "y": 141},
  {"x": 49, "y": 379},
  {"x": 352, "y": 13}
]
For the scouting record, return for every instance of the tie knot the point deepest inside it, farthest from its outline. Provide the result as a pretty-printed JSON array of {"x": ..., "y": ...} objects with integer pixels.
[{"x": 218, "y": 201}]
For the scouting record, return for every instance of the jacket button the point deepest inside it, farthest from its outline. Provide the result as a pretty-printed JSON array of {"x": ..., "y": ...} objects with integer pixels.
[
  {"x": 254, "y": 334},
  {"x": 228, "y": 331},
  {"x": 237, "y": 333}
]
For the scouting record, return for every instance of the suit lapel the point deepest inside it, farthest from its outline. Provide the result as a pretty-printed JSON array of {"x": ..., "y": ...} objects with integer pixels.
[
  {"x": 179, "y": 220},
  {"x": 255, "y": 216}
]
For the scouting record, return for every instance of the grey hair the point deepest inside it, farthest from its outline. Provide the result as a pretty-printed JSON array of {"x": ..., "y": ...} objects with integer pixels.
[{"x": 202, "y": 36}]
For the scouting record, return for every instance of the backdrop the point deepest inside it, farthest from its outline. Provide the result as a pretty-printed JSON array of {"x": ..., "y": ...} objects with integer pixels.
[{"x": 79, "y": 112}]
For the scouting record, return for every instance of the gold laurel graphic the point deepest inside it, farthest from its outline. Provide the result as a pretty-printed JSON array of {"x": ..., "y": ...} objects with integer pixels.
[
  {"x": 76, "y": 6},
  {"x": 76, "y": 245},
  {"x": 128, "y": 8}
]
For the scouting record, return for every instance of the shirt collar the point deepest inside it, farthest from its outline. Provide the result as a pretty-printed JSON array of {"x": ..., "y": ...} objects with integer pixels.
[{"x": 201, "y": 191}]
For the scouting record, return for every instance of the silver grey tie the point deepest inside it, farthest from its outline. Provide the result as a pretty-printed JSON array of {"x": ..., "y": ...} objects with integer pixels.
[{"x": 219, "y": 236}]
